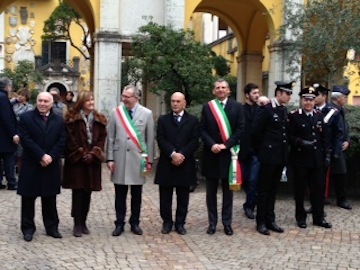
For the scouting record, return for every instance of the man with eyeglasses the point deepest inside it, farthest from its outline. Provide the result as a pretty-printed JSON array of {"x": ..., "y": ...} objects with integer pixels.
[
  {"x": 130, "y": 155},
  {"x": 271, "y": 145}
]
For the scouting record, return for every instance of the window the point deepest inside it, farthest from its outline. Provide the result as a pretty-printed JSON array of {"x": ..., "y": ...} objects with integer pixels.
[{"x": 54, "y": 52}]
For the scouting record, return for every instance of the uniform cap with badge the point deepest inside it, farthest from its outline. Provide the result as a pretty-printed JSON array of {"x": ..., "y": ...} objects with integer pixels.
[
  {"x": 285, "y": 86},
  {"x": 308, "y": 93},
  {"x": 341, "y": 89},
  {"x": 321, "y": 89}
]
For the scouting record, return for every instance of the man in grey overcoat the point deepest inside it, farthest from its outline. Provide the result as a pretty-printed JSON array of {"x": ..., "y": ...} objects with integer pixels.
[{"x": 130, "y": 154}]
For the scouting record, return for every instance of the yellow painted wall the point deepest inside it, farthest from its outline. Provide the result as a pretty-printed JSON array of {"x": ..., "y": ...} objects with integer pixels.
[{"x": 38, "y": 12}]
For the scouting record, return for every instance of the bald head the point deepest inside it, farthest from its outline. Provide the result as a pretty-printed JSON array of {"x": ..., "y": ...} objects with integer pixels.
[
  {"x": 178, "y": 102},
  {"x": 44, "y": 102}
]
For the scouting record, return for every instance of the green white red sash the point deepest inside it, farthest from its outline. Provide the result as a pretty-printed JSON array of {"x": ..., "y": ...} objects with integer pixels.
[
  {"x": 134, "y": 135},
  {"x": 235, "y": 177}
]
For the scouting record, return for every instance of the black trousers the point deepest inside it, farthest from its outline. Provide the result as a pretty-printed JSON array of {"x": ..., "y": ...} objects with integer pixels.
[
  {"x": 211, "y": 201},
  {"x": 182, "y": 203},
  {"x": 120, "y": 203},
  {"x": 339, "y": 182},
  {"x": 80, "y": 205},
  {"x": 313, "y": 179},
  {"x": 49, "y": 214},
  {"x": 269, "y": 178}
]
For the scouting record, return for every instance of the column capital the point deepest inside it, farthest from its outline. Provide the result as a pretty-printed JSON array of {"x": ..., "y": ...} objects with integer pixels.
[{"x": 250, "y": 57}]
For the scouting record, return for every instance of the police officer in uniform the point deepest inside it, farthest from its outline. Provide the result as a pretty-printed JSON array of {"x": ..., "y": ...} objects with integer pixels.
[
  {"x": 309, "y": 142},
  {"x": 271, "y": 144}
]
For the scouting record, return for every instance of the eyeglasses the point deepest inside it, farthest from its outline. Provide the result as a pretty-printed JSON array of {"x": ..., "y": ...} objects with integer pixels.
[{"x": 126, "y": 97}]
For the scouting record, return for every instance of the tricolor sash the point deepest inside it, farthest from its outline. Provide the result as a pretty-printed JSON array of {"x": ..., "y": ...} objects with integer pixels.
[
  {"x": 235, "y": 177},
  {"x": 134, "y": 135}
]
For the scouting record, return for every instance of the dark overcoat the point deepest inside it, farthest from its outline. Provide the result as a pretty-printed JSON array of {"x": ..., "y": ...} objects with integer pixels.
[
  {"x": 302, "y": 127},
  {"x": 217, "y": 165},
  {"x": 246, "y": 148},
  {"x": 8, "y": 124},
  {"x": 39, "y": 138},
  {"x": 180, "y": 137},
  {"x": 339, "y": 130},
  {"x": 78, "y": 175},
  {"x": 270, "y": 134}
]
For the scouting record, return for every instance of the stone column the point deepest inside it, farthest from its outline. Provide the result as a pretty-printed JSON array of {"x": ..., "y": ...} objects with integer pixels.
[
  {"x": 107, "y": 70},
  {"x": 249, "y": 70},
  {"x": 174, "y": 13},
  {"x": 277, "y": 71}
]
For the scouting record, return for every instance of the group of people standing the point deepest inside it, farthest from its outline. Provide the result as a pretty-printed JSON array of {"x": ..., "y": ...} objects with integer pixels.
[{"x": 251, "y": 140}]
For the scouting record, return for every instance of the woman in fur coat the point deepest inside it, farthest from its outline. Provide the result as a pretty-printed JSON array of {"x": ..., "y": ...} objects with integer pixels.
[{"x": 86, "y": 130}]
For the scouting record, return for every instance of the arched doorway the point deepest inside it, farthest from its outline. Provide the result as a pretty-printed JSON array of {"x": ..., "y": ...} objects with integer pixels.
[
  {"x": 63, "y": 90},
  {"x": 257, "y": 56}
]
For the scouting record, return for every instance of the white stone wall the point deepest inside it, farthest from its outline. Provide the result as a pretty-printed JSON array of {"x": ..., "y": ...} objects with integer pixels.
[
  {"x": 174, "y": 13},
  {"x": 134, "y": 14}
]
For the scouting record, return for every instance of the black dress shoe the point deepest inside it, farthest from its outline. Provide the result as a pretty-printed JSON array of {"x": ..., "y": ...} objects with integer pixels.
[
  {"x": 54, "y": 234},
  {"x": 180, "y": 230},
  {"x": 301, "y": 224},
  {"x": 166, "y": 229},
  {"x": 274, "y": 227},
  {"x": 136, "y": 229},
  {"x": 262, "y": 229},
  {"x": 119, "y": 229},
  {"x": 2, "y": 186},
  {"x": 249, "y": 213},
  {"x": 344, "y": 204},
  {"x": 28, "y": 237},
  {"x": 228, "y": 230},
  {"x": 211, "y": 230},
  {"x": 322, "y": 223}
]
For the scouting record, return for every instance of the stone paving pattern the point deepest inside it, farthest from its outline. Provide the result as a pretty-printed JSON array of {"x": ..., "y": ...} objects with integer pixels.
[{"x": 311, "y": 248}]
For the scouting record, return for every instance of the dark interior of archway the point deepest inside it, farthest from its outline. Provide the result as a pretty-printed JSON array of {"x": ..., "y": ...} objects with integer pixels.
[{"x": 61, "y": 87}]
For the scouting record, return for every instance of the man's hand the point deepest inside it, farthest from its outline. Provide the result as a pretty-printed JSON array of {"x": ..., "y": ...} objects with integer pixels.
[
  {"x": 111, "y": 166},
  {"x": 216, "y": 148},
  {"x": 46, "y": 160},
  {"x": 16, "y": 139},
  {"x": 177, "y": 159},
  {"x": 345, "y": 145}
]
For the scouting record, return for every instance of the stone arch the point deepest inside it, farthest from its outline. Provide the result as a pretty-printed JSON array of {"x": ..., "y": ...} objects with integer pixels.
[
  {"x": 255, "y": 24},
  {"x": 63, "y": 88}
]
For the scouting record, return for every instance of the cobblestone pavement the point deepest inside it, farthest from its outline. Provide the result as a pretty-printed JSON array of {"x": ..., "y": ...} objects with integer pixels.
[{"x": 311, "y": 248}]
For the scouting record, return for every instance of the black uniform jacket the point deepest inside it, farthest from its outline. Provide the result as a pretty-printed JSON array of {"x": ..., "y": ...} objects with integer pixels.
[{"x": 311, "y": 129}]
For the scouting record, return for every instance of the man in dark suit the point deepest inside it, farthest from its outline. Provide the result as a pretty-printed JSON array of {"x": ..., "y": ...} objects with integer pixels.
[
  {"x": 249, "y": 161},
  {"x": 271, "y": 141},
  {"x": 43, "y": 137},
  {"x": 340, "y": 141},
  {"x": 217, "y": 155},
  {"x": 178, "y": 139},
  {"x": 8, "y": 135},
  {"x": 309, "y": 140}
]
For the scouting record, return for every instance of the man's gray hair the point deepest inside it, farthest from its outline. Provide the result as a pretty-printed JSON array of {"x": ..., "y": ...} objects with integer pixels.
[
  {"x": 55, "y": 89},
  {"x": 335, "y": 95},
  {"x": 5, "y": 81},
  {"x": 136, "y": 91}
]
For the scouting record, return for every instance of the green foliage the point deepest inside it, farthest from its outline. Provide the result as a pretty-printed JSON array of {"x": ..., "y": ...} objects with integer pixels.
[
  {"x": 23, "y": 75},
  {"x": 322, "y": 32},
  {"x": 353, "y": 118},
  {"x": 171, "y": 60},
  {"x": 221, "y": 65},
  {"x": 58, "y": 27}
]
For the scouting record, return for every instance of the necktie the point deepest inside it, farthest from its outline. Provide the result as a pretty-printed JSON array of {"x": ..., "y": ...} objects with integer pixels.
[
  {"x": 44, "y": 117},
  {"x": 130, "y": 113},
  {"x": 222, "y": 104},
  {"x": 177, "y": 117}
]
